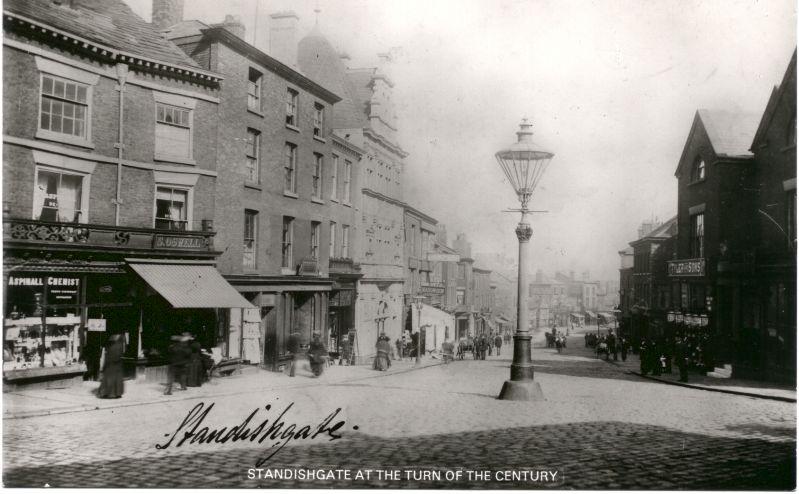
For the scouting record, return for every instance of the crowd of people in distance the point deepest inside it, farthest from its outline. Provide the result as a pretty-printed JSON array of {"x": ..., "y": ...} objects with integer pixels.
[{"x": 687, "y": 351}]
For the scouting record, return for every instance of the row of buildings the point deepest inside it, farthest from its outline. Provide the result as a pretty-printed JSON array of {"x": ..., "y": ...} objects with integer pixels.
[
  {"x": 567, "y": 300},
  {"x": 170, "y": 177},
  {"x": 724, "y": 267}
]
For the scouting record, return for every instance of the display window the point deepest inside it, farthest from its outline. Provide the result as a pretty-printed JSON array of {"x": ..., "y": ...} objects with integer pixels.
[{"x": 42, "y": 321}]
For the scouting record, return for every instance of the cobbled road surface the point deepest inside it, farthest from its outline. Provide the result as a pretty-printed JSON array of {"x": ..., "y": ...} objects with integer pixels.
[{"x": 599, "y": 428}]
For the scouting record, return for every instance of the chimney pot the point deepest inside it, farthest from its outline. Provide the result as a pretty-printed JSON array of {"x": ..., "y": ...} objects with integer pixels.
[
  {"x": 167, "y": 13},
  {"x": 283, "y": 37}
]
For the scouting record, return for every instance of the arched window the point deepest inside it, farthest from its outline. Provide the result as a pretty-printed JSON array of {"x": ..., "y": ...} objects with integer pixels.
[{"x": 698, "y": 172}]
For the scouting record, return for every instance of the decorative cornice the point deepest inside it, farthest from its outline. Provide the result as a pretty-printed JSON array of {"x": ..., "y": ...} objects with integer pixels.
[
  {"x": 107, "y": 54},
  {"x": 384, "y": 142},
  {"x": 347, "y": 146}
]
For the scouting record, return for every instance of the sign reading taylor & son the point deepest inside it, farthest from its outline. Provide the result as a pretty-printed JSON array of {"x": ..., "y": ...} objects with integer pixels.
[{"x": 687, "y": 267}]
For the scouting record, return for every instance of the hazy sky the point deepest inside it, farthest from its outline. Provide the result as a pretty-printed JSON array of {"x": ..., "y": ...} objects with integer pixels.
[{"x": 611, "y": 88}]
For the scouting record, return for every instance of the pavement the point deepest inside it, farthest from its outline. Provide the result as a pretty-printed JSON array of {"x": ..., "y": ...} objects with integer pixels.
[
  {"x": 715, "y": 383},
  {"x": 599, "y": 427}
]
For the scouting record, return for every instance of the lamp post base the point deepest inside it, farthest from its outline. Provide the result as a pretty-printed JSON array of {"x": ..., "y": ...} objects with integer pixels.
[{"x": 521, "y": 391}]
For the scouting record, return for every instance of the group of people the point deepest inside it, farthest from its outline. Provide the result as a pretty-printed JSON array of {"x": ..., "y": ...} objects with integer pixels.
[
  {"x": 188, "y": 364},
  {"x": 555, "y": 339},
  {"x": 686, "y": 351}
]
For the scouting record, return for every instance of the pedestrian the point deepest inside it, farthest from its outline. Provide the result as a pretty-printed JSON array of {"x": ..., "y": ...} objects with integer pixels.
[
  {"x": 317, "y": 354},
  {"x": 399, "y": 345},
  {"x": 194, "y": 367},
  {"x": 623, "y": 344},
  {"x": 293, "y": 346},
  {"x": 383, "y": 349},
  {"x": 483, "y": 346},
  {"x": 643, "y": 355},
  {"x": 498, "y": 343},
  {"x": 345, "y": 351},
  {"x": 112, "y": 385},
  {"x": 490, "y": 344},
  {"x": 447, "y": 351},
  {"x": 178, "y": 359},
  {"x": 682, "y": 353},
  {"x": 612, "y": 346}
]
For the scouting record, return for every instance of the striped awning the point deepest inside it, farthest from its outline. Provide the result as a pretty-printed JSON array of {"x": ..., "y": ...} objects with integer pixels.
[{"x": 189, "y": 286}]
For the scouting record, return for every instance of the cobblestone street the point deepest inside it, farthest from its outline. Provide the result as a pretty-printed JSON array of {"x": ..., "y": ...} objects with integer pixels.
[{"x": 599, "y": 427}]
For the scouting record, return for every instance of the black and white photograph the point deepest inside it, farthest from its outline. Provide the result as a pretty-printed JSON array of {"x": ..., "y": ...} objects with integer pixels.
[{"x": 399, "y": 244}]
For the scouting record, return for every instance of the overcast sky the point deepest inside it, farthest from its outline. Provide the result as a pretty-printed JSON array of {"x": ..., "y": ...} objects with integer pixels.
[{"x": 610, "y": 86}]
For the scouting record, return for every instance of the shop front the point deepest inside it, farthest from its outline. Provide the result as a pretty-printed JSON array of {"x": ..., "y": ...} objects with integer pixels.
[
  {"x": 67, "y": 288},
  {"x": 282, "y": 305}
]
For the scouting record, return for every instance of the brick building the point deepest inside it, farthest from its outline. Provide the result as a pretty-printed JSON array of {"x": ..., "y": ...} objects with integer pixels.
[
  {"x": 766, "y": 335},
  {"x": 109, "y": 167},
  {"x": 365, "y": 117},
  {"x": 287, "y": 194}
]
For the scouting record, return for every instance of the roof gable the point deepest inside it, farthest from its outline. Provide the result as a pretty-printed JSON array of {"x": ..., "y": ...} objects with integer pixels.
[
  {"x": 776, "y": 95},
  {"x": 109, "y": 22},
  {"x": 728, "y": 133}
]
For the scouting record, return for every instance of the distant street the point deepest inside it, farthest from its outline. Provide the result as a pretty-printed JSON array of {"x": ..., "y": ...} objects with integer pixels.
[{"x": 600, "y": 427}]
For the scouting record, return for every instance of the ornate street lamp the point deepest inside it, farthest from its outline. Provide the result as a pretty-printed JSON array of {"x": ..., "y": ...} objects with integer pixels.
[{"x": 523, "y": 166}]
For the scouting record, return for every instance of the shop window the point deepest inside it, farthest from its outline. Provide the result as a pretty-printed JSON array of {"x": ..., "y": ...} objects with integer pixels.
[
  {"x": 292, "y": 98},
  {"x": 287, "y": 239},
  {"x": 698, "y": 171},
  {"x": 315, "y": 231},
  {"x": 697, "y": 235},
  {"x": 250, "y": 238},
  {"x": 172, "y": 131},
  {"x": 316, "y": 184},
  {"x": 290, "y": 168},
  {"x": 318, "y": 120},
  {"x": 171, "y": 208},
  {"x": 254, "y": 90},
  {"x": 60, "y": 196},
  {"x": 253, "y": 153},
  {"x": 64, "y": 106}
]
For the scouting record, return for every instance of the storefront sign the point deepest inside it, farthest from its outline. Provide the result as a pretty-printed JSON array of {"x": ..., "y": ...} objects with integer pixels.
[
  {"x": 173, "y": 242},
  {"x": 431, "y": 289},
  {"x": 95, "y": 324},
  {"x": 60, "y": 291},
  {"x": 687, "y": 267}
]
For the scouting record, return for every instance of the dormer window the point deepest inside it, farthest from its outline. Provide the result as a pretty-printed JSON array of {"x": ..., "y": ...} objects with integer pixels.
[{"x": 698, "y": 171}]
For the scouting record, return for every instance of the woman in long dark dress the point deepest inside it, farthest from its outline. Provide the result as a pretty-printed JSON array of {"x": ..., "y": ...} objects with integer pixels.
[
  {"x": 382, "y": 359},
  {"x": 194, "y": 377},
  {"x": 112, "y": 385}
]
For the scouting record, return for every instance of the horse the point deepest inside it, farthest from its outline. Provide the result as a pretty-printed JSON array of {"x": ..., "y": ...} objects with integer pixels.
[{"x": 465, "y": 345}]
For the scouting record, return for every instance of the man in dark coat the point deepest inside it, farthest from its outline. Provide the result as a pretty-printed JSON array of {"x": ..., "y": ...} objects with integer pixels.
[
  {"x": 612, "y": 346},
  {"x": 643, "y": 354},
  {"x": 178, "y": 360},
  {"x": 498, "y": 343},
  {"x": 623, "y": 347},
  {"x": 483, "y": 346},
  {"x": 682, "y": 353},
  {"x": 293, "y": 347}
]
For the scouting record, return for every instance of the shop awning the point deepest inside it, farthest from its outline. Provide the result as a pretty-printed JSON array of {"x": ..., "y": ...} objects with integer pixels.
[
  {"x": 187, "y": 286},
  {"x": 590, "y": 314}
]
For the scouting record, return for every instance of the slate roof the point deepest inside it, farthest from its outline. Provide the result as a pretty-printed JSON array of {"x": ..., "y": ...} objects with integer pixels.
[
  {"x": 319, "y": 62},
  {"x": 107, "y": 22},
  {"x": 666, "y": 230},
  {"x": 774, "y": 99},
  {"x": 730, "y": 133}
]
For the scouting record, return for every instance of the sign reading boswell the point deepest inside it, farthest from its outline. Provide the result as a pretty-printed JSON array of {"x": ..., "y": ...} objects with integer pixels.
[
  {"x": 175, "y": 242},
  {"x": 687, "y": 267}
]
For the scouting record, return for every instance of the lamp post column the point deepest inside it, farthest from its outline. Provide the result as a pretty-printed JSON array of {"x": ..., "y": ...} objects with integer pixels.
[{"x": 522, "y": 367}]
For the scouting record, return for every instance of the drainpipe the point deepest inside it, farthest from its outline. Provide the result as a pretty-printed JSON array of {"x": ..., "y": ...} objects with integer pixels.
[{"x": 122, "y": 75}]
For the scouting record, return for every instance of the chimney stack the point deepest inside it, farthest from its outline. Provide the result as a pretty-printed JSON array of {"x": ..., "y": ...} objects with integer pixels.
[
  {"x": 167, "y": 13},
  {"x": 233, "y": 24},
  {"x": 283, "y": 37}
]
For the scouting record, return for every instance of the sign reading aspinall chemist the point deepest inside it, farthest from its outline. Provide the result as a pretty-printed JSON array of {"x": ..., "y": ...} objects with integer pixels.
[{"x": 687, "y": 267}]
